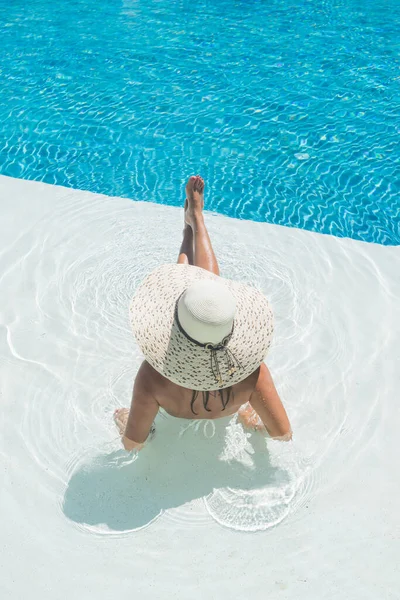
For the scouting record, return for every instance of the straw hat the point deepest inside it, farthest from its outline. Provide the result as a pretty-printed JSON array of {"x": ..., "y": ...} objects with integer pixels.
[{"x": 200, "y": 331}]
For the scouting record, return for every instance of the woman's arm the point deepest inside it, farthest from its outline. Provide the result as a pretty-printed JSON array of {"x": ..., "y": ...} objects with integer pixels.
[
  {"x": 144, "y": 409},
  {"x": 267, "y": 404}
]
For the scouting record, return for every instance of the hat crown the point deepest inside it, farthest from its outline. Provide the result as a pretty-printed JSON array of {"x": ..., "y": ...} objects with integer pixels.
[
  {"x": 163, "y": 309},
  {"x": 206, "y": 311}
]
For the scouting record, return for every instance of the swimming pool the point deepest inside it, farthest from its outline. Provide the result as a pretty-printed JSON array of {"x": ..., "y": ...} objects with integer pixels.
[{"x": 290, "y": 111}]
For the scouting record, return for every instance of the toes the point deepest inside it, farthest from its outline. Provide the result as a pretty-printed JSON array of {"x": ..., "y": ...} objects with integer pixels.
[
  {"x": 200, "y": 184},
  {"x": 195, "y": 183},
  {"x": 191, "y": 182}
]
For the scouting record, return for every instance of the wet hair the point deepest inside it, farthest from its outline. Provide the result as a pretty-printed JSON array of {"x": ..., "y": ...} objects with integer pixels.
[{"x": 225, "y": 395}]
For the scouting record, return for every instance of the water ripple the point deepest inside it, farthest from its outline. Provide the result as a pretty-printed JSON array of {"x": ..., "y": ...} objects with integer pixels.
[{"x": 71, "y": 277}]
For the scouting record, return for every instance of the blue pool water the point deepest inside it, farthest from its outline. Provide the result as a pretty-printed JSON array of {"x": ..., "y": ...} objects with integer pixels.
[{"x": 290, "y": 110}]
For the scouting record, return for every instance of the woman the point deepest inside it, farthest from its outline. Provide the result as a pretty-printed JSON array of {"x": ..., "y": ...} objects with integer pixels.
[{"x": 204, "y": 339}]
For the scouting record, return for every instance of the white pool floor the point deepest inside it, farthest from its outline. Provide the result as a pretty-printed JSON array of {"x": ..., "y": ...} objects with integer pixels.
[{"x": 201, "y": 513}]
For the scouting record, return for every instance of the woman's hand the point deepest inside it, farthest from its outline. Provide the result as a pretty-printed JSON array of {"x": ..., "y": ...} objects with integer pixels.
[
  {"x": 248, "y": 417},
  {"x": 120, "y": 419}
]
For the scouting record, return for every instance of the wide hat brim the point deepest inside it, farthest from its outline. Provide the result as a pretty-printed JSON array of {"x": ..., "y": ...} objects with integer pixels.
[{"x": 167, "y": 349}]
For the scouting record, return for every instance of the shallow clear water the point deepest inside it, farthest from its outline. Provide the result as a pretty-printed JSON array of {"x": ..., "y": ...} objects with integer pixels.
[
  {"x": 84, "y": 519},
  {"x": 290, "y": 110},
  {"x": 79, "y": 356}
]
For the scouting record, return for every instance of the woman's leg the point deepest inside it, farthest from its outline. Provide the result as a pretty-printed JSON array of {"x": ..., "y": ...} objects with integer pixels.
[
  {"x": 186, "y": 252},
  {"x": 204, "y": 256}
]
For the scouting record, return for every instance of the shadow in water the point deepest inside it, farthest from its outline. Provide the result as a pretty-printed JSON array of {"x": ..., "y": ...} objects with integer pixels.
[{"x": 121, "y": 494}]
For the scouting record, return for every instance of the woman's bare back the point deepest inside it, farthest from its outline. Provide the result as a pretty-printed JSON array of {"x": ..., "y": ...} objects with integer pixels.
[
  {"x": 152, "y": 391},
  {"x": 177, "y": 400}
]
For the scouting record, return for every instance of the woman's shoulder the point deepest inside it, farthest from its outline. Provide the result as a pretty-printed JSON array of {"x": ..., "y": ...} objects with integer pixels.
[{"x": 250, "y": 381}]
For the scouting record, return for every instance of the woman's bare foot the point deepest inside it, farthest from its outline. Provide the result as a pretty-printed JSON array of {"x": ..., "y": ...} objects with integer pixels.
[
  {"x": 194, "y": 199},
  {"x": 120, "y": 418}
]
